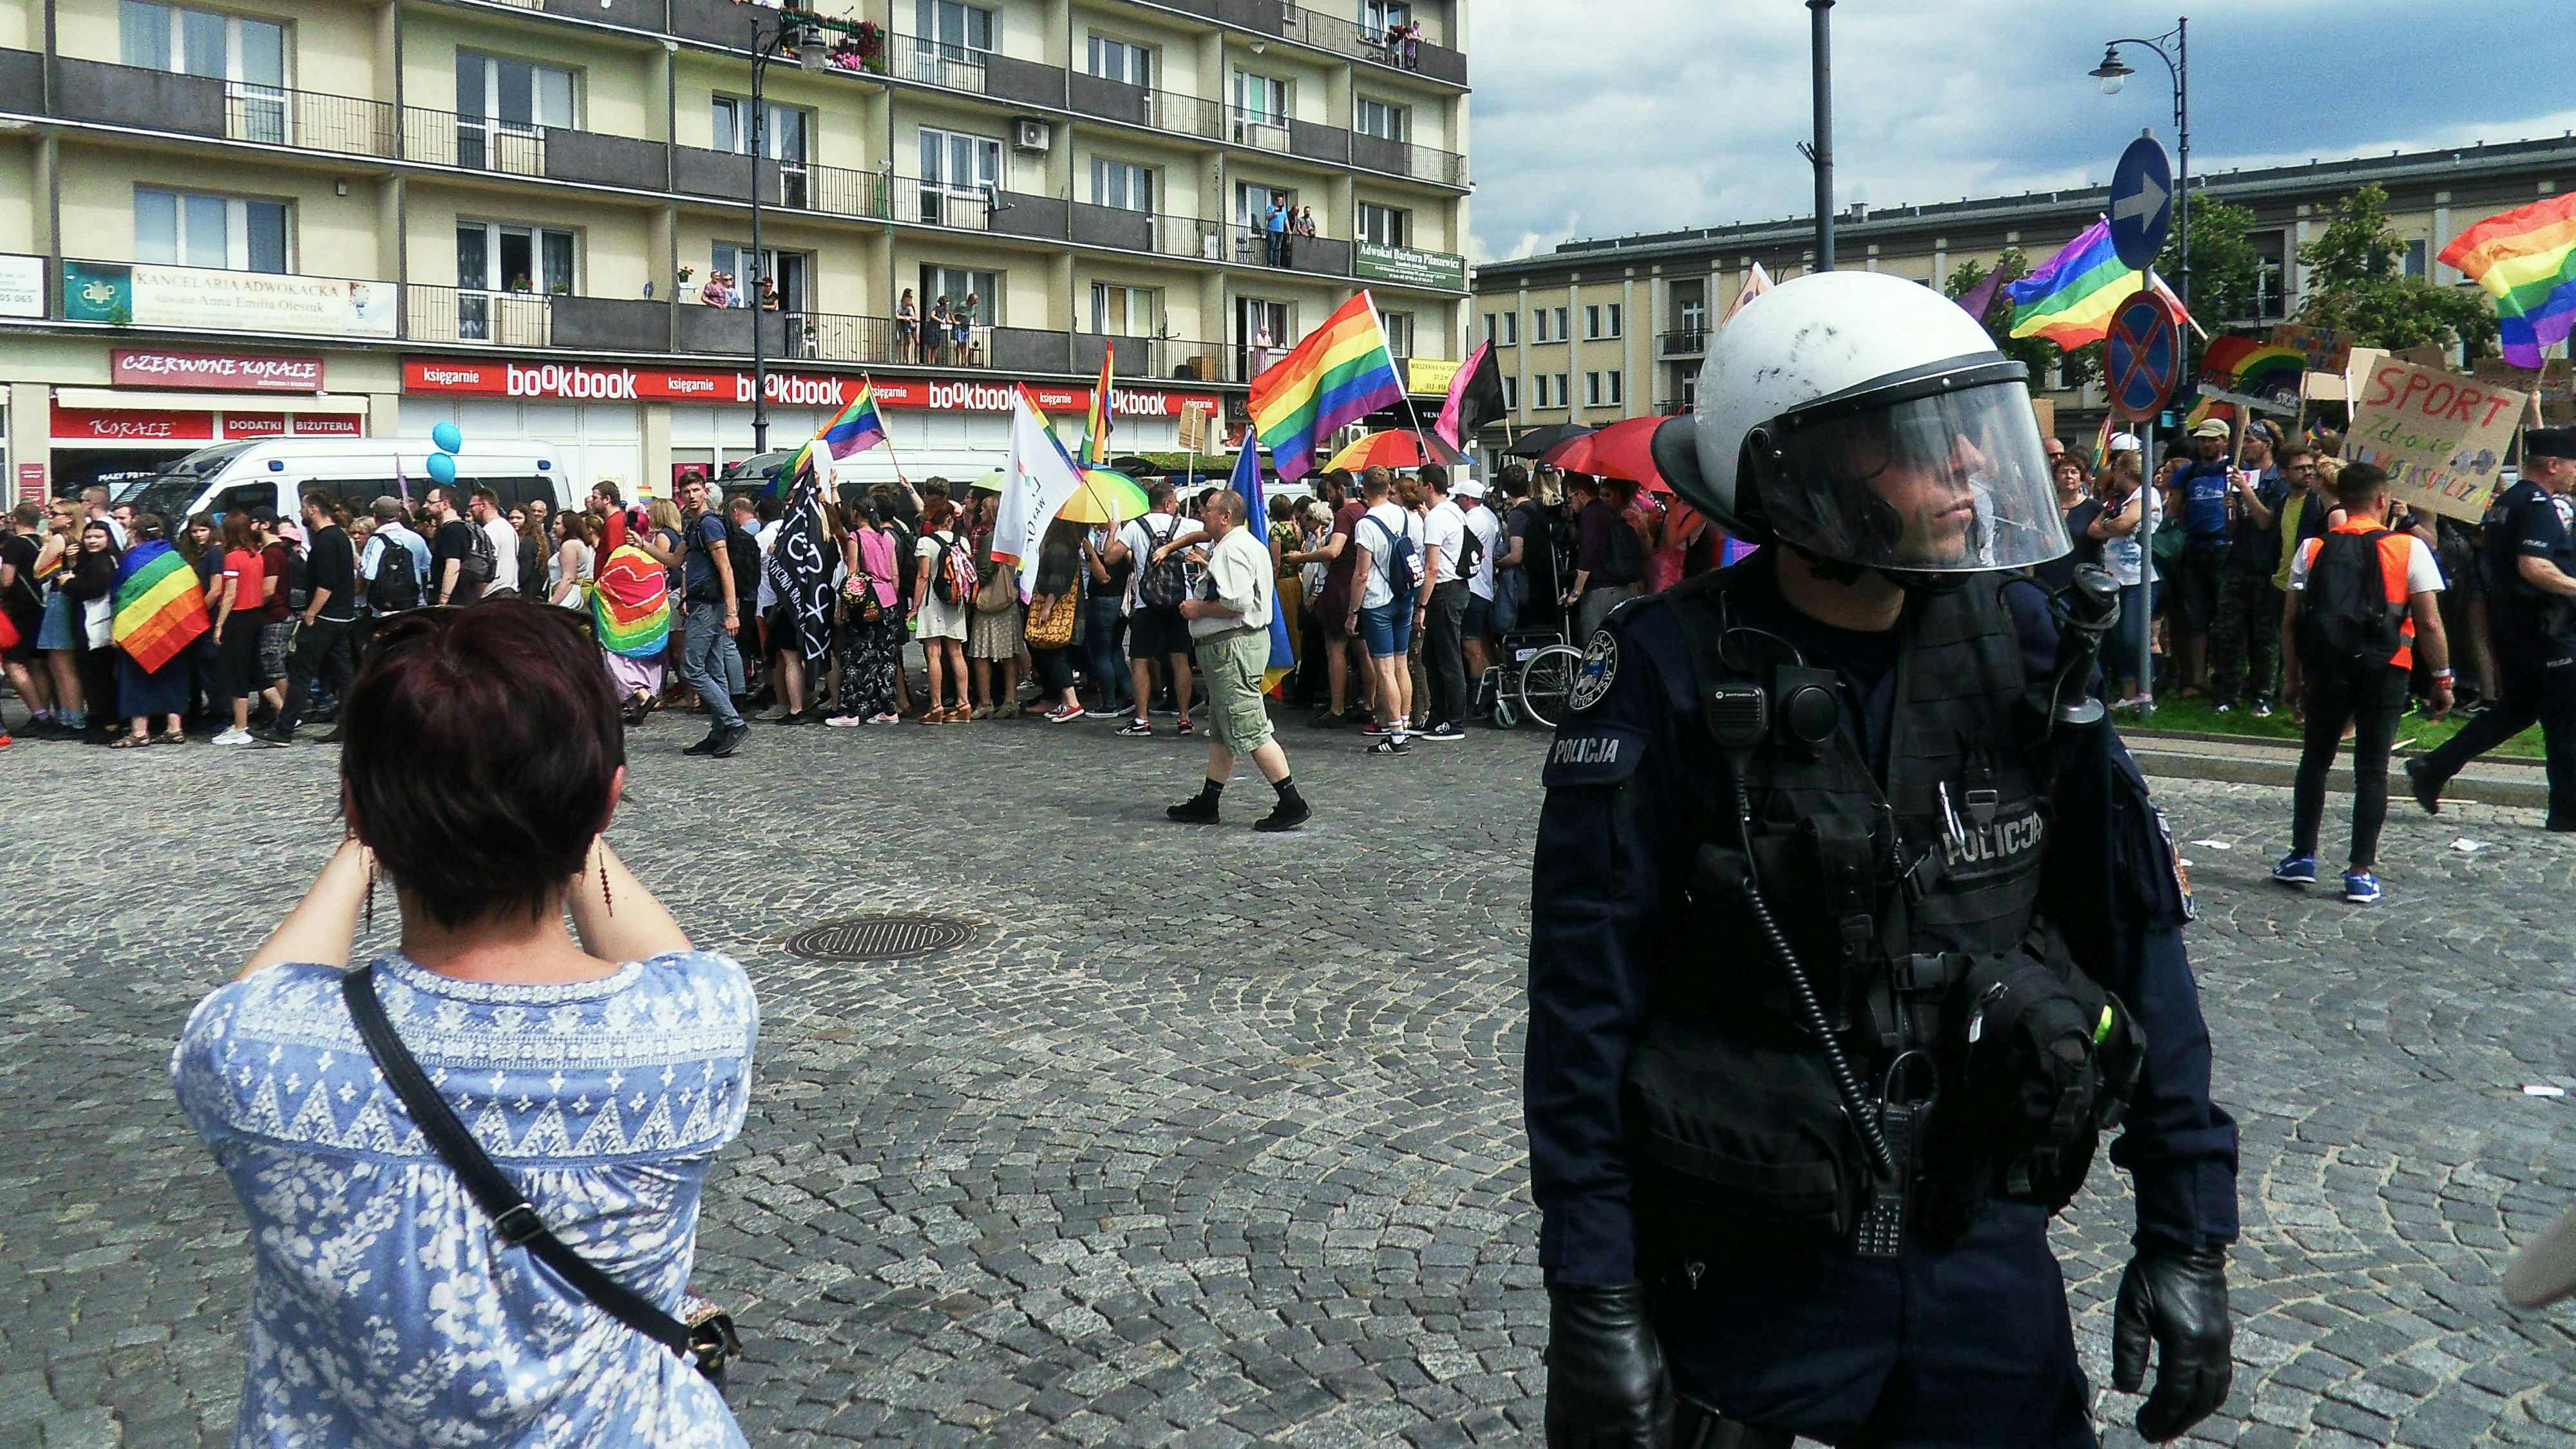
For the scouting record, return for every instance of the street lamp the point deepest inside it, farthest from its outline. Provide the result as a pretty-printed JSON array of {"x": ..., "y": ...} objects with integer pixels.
[
  {"x": 792, "y": 31},
  {"x": 2112, "y": 73}
]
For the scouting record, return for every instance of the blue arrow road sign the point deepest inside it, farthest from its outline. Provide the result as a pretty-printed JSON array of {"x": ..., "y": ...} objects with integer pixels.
[{"x": 2141, "y": 203}]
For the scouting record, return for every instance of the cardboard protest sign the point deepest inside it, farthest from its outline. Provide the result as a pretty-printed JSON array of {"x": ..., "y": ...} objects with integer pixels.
[
  {"x": 2440, "y": 437},
  {"x": 2325, "y": 348},
  {"x": 2045, "y": 410}
]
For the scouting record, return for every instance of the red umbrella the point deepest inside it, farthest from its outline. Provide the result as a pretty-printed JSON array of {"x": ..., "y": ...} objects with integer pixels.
[{"x": 1625, "y": 449}]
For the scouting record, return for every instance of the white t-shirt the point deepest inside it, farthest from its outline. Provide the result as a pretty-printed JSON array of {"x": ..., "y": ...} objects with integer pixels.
[
  {"x": 1142, "y": 536},
  {"x": 2423, "y": 576},
  {"x": 505, "y": 554},
  {"x": 767, "y": 535},
  {"x": 1377, "y": 533},
  {"x": 1446, "y": 530},
  {"x": 1488, "y": 528},
  {"x": 2123, "y": 556}
]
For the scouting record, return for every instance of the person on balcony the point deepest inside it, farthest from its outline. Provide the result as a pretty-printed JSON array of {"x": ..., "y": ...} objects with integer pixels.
[
  {"x": 718, "y": 292},
  {"x": 968, "y": 354},
  {"x": 1274, "y": 230},
  {"x": 907, "y": 328},
  {"x": 934, "y": 345}
]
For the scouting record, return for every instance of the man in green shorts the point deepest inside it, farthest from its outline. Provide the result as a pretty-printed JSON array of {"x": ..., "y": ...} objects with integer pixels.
[{"x": 1230, "y": 632}]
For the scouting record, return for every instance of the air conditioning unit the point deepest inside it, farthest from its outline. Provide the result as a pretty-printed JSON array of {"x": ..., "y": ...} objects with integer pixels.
[{"x": 1031, "y": 135}]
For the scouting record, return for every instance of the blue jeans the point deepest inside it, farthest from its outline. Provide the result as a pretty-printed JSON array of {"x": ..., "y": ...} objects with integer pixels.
[
  {"x": 1102, "y": 657},
  {"x": 1387, "y": 630},
  {"x": 708, "y": 663}
]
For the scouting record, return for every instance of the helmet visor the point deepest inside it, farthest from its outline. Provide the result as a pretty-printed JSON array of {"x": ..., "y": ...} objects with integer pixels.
[{"x": 1953, "y": 481}]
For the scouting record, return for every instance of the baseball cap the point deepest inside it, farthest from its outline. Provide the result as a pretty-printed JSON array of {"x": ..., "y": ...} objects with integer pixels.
[
  {"x": 2126, "y": 443},
  {"x": 2544, "y": 1271},
  {"x": 2549, "y": 443},
  {"x": 1469, "y": 487},
  {"x": 2210, "y": 428}
]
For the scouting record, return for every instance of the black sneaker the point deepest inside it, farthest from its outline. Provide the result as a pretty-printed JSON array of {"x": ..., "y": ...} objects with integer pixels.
[
  {"x": 1391, "y": 745},
  {"x": 707, "y": 746},
  {"x": 1136, "y": 729},
  {"x": 272, "y": 736},
  {"x": 728, "y": 740},
  {"x": 1196, "y": 810},
  {"x": 1328, "y": 722},
  {"x": 1444, "y": 731},
  {"x": 2428, "y": 791},
  {"x": 1286, "y": 815},
  {"x": 332, "y": 737}
]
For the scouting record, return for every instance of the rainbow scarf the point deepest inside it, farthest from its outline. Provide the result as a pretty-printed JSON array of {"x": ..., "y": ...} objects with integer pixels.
[
  {"x": 1095, "y": 424},
  {"x": 2070, "y": 301},
  {"x": 1342, "y": 372},
  {"x": 160, "y": 606},
  {"x": 2247, "y": 368},
  {"x": 630, "y": 605},
  {"x": 2527, "y": 259}
]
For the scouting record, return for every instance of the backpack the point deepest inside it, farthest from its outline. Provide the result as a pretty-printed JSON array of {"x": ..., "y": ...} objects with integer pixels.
[
  {"x": 709, "y": 589},
  {"x": 479, "y": 564},
  {"x": 954, "y": 579},
  {"x": 297, "y": 586},
  {"x": 1168, "y": 581},
  {"x": 396, "y": 586},
  {"x": 1471, "y": 547},
  {"x": 1400, "y": 571},
  {"x": 2346, "y": 623},
  {"x": 906, "y": 566}
]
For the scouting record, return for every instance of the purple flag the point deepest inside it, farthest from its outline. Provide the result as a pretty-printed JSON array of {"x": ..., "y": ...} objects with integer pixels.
[{"x": 1982, "y": 296}]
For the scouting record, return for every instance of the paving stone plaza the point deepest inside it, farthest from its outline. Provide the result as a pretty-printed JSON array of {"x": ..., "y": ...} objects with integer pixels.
[{"x": 1213, "y": 1138}]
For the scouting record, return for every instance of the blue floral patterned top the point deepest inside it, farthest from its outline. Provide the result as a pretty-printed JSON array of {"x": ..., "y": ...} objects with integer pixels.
[{"x": 386, "y": 1311}]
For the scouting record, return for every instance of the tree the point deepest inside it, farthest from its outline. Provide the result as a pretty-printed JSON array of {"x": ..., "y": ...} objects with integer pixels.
[
  {"x": 2036, "y": 353},
  {"x": 2223, "y": 262},
  {"x": 2356, "y": 284}
]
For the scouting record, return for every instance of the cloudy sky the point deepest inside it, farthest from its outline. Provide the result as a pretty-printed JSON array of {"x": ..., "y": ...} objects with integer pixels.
[{"x": 1605, "y": 117}]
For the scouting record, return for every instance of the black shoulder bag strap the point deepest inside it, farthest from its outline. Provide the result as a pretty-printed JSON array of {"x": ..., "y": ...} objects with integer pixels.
[{"x": 706, "y": 1345}]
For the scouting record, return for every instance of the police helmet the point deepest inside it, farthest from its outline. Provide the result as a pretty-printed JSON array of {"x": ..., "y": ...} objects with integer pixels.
[{"x": 1867, "y": 420}]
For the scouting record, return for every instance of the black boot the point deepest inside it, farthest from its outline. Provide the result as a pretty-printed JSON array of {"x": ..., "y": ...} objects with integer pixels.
[{"x": 1199, "y": 809}]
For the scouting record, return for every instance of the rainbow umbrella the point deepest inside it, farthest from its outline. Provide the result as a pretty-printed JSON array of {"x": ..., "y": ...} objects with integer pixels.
[
  {"x": 1103, "y": 497},
  {"x": 1394, "y": 448}
]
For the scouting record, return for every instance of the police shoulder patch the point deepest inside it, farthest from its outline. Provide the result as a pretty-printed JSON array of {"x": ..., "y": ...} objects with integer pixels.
[{"x": 1599, "y": 670}]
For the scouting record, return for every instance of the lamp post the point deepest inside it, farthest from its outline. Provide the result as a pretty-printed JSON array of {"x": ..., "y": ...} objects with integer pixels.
[
  {"x": 2111, "y": 73},
  {"x": 1820, "y": 152},
  {"x": 793, "y": 30}
]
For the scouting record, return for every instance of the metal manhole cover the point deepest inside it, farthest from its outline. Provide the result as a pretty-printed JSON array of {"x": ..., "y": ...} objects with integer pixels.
[{"x": 881, "y": 938}]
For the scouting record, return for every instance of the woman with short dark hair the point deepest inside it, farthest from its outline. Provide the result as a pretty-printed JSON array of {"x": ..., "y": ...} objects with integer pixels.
[{"x": 600, "y": 1068}]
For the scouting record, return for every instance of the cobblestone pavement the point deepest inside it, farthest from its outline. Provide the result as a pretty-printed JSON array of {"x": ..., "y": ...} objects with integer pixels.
[{"x": 1210, "y": 1137}]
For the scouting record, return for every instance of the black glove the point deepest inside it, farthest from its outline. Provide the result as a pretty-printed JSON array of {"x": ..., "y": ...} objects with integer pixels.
[
  {"x": 2178, "y": 1298},
  {"x": 1605, "y": 1375}
]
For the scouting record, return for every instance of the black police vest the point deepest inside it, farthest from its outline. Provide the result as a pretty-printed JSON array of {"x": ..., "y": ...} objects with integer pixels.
[{"x": 1895, "y": 899}]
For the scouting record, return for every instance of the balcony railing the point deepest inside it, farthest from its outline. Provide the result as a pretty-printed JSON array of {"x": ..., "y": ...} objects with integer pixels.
[
  {"x": 956, "y": 67},
  {"x": 1346, "y": 37},
  {"x": 1319, "y": 256},
  {"x": 477, "y": 316},
  {"x": 1139, "y": 106},
  {"x": 1685, "y": 342}
]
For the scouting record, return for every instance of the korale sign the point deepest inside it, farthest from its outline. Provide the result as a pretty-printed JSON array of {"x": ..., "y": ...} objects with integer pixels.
[{"x": 2440, "y": 437}]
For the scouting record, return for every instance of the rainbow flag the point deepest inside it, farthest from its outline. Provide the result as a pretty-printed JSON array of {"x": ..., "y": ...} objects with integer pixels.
[
  {"x": 2070, "y": 301},
  {"x": 2527, "y": 258},
  {"x": 160, "y": 606},
  {"x": 1095, "y": 425},
  {"x": 1343, "y": 371},
  {"x": 2258, "y": 371},
  {"x": 855, "y": 429},
  {"x": 630, "y": 605}
]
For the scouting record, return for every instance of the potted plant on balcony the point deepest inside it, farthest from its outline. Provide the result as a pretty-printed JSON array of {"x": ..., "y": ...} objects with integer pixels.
[{"x": 872, "y": 46}]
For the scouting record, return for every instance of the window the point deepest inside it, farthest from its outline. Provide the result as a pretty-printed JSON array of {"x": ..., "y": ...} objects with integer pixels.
[
  {"x": 1511, "y": 329},
  {"x": 498, "y": 257},
  {"x": 1122, "y": 311},
  {"x": 1511, "y": 393},
  {"x": 2270, "y": 272},
  {"x": 249, "y": 54},
  {"x": 1263, "y": 329},
  {"x": 1383, "y": 119},
  {"x": 1122, "y": 184},
  {"x": 2414, "y": 261},
  {"x": 188, "y": 229},
  {"x": 960, "y": 174},
  {"x": 785, "y": 140},
  {"x": 1377, "y": 15},
  {"x": 1399, "y": 332},
  {"x": 791, "y": 271},
  {"x": 959, "y": 283},
  {"x": 1389, "y": 226},
  {"x": 1260, "y": 111},
  {"x": 1602, "y": 390},
  {"x": 954, "y": 30},
  {"x": 499, "y": 101},
  {"x": 1538, "y": 324},
  {"x": 1564, "y": 394},
  {"x": 1541, "y": 391},
  {"x": 1603, "y": 320},
  {"x": 1123, "y": 61},
  {"x": 1564, "y": 333}
]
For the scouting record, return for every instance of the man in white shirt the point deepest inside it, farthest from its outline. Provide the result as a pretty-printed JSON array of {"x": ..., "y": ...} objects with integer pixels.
[
  {"x": 486, "y": 510},
  {"x": 1382, "y": 622},
  {"x": 1485, "y": 527},
  {"x": 1230, "y": 628},
  {"x": 1444, "y": 657}
]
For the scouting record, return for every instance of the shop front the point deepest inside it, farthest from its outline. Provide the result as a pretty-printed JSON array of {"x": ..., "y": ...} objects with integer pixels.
[
  {"x": 161, "y": 405},
  {"x": 643, "y": 427}
]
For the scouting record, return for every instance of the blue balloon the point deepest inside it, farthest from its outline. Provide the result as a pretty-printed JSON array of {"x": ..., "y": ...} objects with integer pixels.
[
  {"x": 447, "y": 436},
  {"x": 442, "y": 467}
]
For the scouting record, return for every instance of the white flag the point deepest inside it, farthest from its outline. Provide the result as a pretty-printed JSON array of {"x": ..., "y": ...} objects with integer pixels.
[
  {"x": 1036, "y": 484},
  {"x": 1756, "y": 282}
]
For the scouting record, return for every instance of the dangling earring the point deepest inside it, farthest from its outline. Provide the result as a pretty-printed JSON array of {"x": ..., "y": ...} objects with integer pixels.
[
  {"x": 371, "y": 894},
  {"x": 605, "y": 898}
]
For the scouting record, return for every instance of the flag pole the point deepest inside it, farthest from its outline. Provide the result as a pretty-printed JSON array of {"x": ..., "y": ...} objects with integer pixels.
[{"x": 871, "y": 385}]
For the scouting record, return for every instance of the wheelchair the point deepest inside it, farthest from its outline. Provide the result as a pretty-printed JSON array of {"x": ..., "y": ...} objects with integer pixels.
[{"x": 1531, "y": 678}]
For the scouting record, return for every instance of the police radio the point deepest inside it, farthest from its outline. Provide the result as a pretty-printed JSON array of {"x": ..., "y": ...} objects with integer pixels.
[{"x": 2084, "y": 611}]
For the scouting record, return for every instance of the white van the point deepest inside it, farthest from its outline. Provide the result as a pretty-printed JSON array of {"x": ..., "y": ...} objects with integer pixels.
[{"x": 276, "y": 473}]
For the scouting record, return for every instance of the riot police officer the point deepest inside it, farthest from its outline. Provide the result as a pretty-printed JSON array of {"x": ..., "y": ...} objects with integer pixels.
[
  {"x": 1852, "y": 926},
  {"x": 2530, "y": 577}
]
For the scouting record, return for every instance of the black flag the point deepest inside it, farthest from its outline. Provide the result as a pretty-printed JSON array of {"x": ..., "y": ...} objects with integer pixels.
[
  {"x": 1475, "y": 402},
  {"x": 800, "y": 570}
]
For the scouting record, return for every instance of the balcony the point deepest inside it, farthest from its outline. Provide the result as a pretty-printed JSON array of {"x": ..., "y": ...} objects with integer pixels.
[
  {"x": 957, "y": 67},
  {"x": 1346, "y": 37},
  {"x": 1683, "y": 342},
  {"x": 124, "y": 95},
  {"x": 1003, "y": 213},
  {"x": 547, "y": 153},
  {"x": 1316, "y": 256}
]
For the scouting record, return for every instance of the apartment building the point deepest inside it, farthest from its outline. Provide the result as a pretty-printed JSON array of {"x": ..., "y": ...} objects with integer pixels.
[
  {"x": 259, "y": 218},
  {"x": 1602, "y": 329}
]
